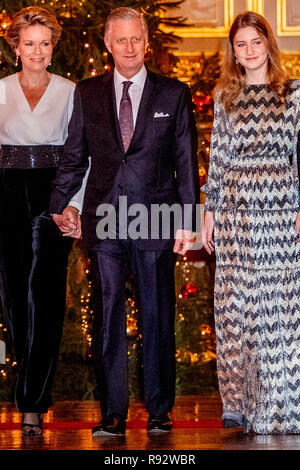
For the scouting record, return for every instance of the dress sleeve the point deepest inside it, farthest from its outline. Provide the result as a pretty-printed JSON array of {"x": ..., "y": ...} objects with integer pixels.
[
  {"x": 297, "y": 133},
  {"x": 218, "y": 146}
]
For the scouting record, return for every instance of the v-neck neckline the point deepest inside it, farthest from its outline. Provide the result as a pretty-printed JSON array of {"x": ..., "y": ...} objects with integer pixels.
[{"x": 24, "y": 97}]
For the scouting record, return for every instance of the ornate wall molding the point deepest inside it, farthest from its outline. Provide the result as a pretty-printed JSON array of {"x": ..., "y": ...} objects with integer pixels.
[
  {"x": 190, "y": 63},
  {"x": 288, "y": 21},
  {"x": 291, "y": 62},
  {"x": 256, "y": 5},
  {"x": 212, "y": 27}
]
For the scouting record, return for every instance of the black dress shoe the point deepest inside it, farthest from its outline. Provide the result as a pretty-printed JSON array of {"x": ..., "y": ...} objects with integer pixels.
[
  {"x": 110, "y": 425},
  {"x": 161, "y": 422}
]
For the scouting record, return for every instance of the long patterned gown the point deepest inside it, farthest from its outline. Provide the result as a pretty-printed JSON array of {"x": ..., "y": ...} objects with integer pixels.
[{"x": 253, "y": 190}]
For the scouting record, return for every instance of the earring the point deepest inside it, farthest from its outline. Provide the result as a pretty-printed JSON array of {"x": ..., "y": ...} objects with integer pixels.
[
  {"x": 17, "y": 61},
  {"x": 237, "y": 61}
]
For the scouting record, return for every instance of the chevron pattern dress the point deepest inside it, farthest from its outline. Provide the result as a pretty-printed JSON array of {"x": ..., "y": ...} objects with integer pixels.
[{"x": 253, "y": 190}]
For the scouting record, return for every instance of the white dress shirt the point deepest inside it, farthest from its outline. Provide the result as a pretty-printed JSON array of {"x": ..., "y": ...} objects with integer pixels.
[
  {"x": 135, "y": 93},
  {"x": 135, "y": 90}
]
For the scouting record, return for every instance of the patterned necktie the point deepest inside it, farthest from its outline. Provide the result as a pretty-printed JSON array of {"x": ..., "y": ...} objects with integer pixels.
[{"x": 126, "y": 116}]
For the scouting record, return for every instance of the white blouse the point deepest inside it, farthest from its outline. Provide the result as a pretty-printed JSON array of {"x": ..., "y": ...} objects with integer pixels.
[{"x": 47, "y": 124}]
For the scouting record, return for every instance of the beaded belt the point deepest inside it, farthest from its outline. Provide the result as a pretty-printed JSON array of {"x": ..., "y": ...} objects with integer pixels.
[{"x": 26, "y": 157}]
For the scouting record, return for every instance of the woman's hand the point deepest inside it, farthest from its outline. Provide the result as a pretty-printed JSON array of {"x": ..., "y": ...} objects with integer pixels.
[{"x": 208, "y": 231}]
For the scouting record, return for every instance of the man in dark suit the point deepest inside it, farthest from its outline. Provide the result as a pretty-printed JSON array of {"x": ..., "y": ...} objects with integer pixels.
[{"x": 138, "y": 129}]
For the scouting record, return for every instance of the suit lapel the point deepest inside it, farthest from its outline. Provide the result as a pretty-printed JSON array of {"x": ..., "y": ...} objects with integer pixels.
[
  {"x": 144, "y": 111},
  {"x": 110, "y": 110}
]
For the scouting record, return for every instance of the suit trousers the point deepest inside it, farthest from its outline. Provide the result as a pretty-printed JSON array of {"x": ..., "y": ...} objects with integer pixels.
[
  {"x": 34, "y": 261},
  {"x": 153, "y": 273}
]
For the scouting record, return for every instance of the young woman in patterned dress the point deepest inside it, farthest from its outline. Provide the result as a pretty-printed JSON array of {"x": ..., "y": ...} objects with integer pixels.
[{"x": 252, "y": 221}]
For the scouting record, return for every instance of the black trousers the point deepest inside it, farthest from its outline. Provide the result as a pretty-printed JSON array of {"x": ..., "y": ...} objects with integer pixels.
[
  {"x": 34, "y": 261},
  {"x": 154, "y": 278}
]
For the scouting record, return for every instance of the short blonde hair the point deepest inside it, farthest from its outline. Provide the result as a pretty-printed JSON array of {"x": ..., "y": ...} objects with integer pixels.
[
  {"x": 32, "y": 16},
  {"x": 124, "y": 14}
]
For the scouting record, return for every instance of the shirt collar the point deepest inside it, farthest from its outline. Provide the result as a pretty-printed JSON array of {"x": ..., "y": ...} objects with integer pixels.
[{"x": 138, "y": 79}]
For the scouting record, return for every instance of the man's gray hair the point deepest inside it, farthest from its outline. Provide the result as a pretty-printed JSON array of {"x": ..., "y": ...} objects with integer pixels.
[{"x": 124, "y": 14}]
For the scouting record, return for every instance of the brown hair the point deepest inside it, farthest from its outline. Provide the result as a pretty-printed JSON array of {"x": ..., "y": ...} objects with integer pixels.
[
  {"x": 124, "y": 14},
  {"x": 31, "y": 16},
  {"x": 233, "y": 77}
]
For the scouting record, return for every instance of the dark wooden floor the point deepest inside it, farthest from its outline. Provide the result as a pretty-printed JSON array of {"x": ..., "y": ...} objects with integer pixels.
[{"x": 197, "y": 426}]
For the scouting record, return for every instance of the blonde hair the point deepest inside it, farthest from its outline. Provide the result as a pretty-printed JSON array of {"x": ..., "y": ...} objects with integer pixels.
[
  {"x": 32, "y": 16},
  {"x": 233, "y": 77},
  {"x": 124, "y": 14}
]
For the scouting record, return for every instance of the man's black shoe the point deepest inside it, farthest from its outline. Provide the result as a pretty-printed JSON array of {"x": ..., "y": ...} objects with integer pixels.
[
  {"x": 110, "y": 425},
  {"x": 161, "y": 422}
]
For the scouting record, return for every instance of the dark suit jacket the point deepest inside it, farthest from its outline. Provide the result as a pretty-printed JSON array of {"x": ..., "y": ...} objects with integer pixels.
[{"x": 159, "y": 167}]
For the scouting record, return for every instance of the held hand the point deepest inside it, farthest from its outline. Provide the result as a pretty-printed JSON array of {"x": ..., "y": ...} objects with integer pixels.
[
  {"x": 208, "y": 241},
  {"x": 298, "y": 227},
  {"x": 184, "y": 241},
  {"x": 69, "y": 222}
]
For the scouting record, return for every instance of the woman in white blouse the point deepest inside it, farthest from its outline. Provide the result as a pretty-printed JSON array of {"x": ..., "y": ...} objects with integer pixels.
[{"x": 35, "y": 108}]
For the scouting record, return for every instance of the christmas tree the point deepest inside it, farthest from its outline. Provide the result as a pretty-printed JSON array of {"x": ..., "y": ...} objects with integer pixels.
[
  {"x": 194, "y": 326},
  {"x": 81, "y": 52},
  {"x": 202, "y": 85}
]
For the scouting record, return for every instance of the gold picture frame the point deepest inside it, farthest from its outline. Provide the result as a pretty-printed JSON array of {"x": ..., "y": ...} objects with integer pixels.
[
  {"x": 283, "y": 29},
  {"x": 207, "y": 31}
]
